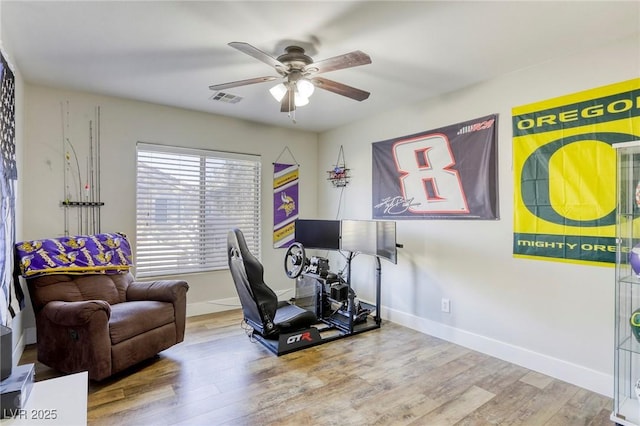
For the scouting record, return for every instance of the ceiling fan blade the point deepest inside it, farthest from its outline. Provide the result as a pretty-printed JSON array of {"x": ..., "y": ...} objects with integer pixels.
[
  {"x": 288, "y": 104},
  {"x": 257, "y": 53},
  {"x": 340, "y": 89},
  {"x": 348, "y": 60},
  {"x": 241, "y": 83}
]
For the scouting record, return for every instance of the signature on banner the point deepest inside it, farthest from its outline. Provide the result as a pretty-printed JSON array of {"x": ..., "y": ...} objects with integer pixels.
[{"x": 395, "y": 205}]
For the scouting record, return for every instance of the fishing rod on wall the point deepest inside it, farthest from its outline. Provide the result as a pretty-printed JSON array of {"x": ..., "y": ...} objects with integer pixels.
[{"x": 81, "y": 199}]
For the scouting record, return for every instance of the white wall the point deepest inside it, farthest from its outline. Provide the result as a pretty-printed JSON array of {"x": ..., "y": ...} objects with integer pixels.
[
  {"x": 552, "y": 317},
  {"x": 122, "y": 124}
]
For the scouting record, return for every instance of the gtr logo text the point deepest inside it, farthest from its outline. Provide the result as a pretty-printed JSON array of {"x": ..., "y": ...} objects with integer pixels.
[{"x": 299, "y": 337}]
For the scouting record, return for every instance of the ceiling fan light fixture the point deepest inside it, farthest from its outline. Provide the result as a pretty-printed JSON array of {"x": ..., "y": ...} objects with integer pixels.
[
  {"x": 305, "y": 88},
  {"x": 300, "y": 100},
  {"x": 278, "y": 91}
]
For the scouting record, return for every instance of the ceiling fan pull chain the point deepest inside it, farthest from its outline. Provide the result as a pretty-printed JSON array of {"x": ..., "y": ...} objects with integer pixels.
[{"x": 292, "y": 112}]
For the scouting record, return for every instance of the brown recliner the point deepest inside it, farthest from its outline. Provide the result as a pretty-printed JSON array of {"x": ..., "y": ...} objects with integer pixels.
[{"x": 105, "y": 323}]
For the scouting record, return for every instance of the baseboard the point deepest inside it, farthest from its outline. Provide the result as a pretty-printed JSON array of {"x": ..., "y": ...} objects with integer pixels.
[
  {"x": 578, "y": 375},
  {"x": 220, "y": 305},
  {"x": 18, "y": 350},
  {"x": 30, "y": 336},
  {"x": 212, "y": 306}
]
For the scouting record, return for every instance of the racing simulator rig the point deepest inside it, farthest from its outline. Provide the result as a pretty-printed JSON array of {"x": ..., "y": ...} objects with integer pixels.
[{"x": 326, "y": 307}]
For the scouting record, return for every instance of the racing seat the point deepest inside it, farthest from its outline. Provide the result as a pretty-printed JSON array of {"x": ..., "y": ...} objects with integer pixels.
[{"x": 260, "y": 306}]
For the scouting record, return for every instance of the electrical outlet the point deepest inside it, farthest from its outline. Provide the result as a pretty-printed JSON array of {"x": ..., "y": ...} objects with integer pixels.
[{"x": 446, "y": 305}]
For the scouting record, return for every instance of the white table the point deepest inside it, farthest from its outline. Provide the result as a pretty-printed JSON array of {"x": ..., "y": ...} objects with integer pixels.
[{"x": 60, "y": 401}]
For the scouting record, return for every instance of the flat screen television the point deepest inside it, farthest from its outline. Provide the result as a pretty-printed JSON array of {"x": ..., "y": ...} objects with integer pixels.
[
  {"x": 373, "y": 237},
  {"x": 318, "y": 234}
]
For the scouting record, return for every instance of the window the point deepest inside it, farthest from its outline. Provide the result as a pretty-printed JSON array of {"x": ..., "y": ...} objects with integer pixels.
[{"x": 187, "y": 201}]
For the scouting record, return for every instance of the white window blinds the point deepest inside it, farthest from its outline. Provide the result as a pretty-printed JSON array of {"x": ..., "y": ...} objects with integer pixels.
[{"x": 187, "y": 201}]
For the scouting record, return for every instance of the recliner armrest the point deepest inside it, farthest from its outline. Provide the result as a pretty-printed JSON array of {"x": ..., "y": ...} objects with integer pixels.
[
  {"x": 161, "y": 290},
  {"x": 74, "y": 314}
]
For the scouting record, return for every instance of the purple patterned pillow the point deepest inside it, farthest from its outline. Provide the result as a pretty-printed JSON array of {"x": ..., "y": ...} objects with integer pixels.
[{"x": 81, "y": 254}]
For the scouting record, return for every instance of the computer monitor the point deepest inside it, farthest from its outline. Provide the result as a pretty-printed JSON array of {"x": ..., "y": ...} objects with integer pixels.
[
  {"x": 373, "y": 237},
  {"x": 318, "y": 234}
]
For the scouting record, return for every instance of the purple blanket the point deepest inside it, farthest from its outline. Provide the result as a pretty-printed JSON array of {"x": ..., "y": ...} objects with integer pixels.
[{"x": 82, "y": 254}]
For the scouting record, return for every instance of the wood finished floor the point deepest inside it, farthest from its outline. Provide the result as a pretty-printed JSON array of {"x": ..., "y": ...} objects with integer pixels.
[{"x": 390, "y": 376}]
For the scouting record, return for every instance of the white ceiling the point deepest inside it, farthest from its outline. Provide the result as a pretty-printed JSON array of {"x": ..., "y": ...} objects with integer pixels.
[{"x": 169, "y": 52}]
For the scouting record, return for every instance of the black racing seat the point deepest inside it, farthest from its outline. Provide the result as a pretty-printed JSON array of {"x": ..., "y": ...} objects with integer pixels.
[{"x": 260, "y": 305}]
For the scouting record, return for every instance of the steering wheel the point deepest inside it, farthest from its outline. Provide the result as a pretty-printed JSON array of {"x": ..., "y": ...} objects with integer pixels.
[{"x": 295, "y": 260}]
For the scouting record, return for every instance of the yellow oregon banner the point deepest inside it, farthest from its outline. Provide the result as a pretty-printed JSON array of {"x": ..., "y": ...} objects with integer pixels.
[{"x": 565, "y": 171}]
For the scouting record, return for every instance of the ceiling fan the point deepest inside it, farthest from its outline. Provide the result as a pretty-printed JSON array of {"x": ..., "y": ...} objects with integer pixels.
[{"x": 298, "y": 73}]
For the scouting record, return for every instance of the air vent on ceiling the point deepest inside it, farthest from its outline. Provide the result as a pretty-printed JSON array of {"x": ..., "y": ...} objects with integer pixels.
[{"x": 226, "y": 97}]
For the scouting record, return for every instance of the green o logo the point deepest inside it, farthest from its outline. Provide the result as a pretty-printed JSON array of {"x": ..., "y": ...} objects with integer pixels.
[{"x": 534, "y": 179}]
